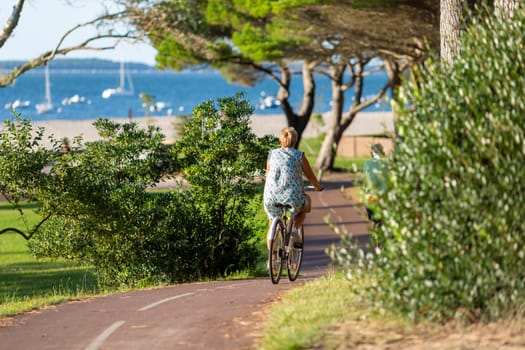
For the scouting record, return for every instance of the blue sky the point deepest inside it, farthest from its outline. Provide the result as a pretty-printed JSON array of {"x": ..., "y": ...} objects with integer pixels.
[{"x": 43, "y": 22}]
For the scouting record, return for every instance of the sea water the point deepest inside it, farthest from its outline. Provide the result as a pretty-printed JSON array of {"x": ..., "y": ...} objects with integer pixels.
[{"x": 77, "y": 94}]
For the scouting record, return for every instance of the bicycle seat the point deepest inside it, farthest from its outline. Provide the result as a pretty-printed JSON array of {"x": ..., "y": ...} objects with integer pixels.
[{"x": 284, "y": 206}]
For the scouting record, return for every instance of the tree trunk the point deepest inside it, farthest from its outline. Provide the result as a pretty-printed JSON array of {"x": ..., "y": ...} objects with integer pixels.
[
  {"x": 395, "y": 70},
  {"x": 449, "y": 28},
  {"x": 339, "y": 121},
  {"x": 326, "y": 157},
  {"x": 298, "y": 120},
  {"x": 505, "y": 8},
  {"x": 284, "y": 92}
]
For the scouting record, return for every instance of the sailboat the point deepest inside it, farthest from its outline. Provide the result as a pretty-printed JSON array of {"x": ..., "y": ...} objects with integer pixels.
[
  {"x": 121, "y": 89},
  {"x": 45, "y": 106}
]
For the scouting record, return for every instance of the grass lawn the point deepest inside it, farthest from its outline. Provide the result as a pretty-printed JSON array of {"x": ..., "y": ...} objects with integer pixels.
[
  {"x": 311, "y": 147},
  {"x": 27, "y": 283}
]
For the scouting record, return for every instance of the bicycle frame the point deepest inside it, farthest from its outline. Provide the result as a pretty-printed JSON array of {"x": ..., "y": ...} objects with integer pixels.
[
  {"x": 287, "y": 220},
  {"x": 282, "y": 250}
]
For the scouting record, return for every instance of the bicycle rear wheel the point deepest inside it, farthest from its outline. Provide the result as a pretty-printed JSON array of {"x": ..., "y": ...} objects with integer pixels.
[
  {"x": 295, "y": 258},
  {"x": 276, "y": 253}
]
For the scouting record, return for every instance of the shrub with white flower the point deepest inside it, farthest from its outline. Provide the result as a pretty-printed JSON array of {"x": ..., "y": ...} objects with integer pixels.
[{"x": 453, "y": 234}]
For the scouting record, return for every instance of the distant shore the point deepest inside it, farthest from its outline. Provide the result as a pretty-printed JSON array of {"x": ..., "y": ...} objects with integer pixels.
[{"x": 261, "y": 125}]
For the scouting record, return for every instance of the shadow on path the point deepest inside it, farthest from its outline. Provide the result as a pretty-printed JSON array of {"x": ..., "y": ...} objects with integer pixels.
[{"x": 330, "y": 206}]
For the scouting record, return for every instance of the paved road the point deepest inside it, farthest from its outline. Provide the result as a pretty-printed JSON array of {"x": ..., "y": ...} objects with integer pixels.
[{"x": 216, "y": 315}]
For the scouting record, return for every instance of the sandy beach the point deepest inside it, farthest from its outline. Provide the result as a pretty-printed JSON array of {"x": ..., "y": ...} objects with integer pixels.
[{"x": 261, "y": 125}]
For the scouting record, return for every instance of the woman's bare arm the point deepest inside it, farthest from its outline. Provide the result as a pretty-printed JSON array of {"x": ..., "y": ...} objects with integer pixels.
[{"x": 307, "y": 169}]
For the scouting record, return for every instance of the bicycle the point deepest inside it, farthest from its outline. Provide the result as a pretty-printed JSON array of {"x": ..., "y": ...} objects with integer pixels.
[{"x": 282, "y": 250}]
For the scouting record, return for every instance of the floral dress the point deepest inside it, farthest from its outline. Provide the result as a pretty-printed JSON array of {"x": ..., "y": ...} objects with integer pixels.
[{"x": 284, "y": 181}]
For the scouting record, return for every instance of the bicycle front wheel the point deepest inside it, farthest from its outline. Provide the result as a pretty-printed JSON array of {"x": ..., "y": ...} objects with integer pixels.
[
  {"x": 276, "y": 253},
  {"x": 295, "y": 258}
]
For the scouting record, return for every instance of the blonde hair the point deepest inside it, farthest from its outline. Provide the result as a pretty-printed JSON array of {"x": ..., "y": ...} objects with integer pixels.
[{"x": 288, "y": 137}]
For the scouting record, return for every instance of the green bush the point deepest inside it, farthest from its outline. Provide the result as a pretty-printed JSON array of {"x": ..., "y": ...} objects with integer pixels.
[
  {"x": 99, "y": 210},
  {"x": 103, "y": 215},
  {"x": 22, "y": 158},
  {"x": 453, "y": 236},
  {"x": 220, "y": 157}
]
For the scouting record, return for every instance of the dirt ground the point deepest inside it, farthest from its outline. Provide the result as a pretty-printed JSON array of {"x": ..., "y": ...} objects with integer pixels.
[{"x": 374, "y": 335}]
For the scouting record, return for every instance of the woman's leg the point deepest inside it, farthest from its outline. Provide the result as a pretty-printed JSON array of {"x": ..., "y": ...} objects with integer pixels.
[
  {"x": 299, "y": 217},
  {"x": 297, "y": 223}
]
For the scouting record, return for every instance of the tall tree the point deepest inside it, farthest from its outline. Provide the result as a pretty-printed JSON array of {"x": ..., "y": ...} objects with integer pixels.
[
  {"x": 352, "y": 38},
  {"x": 267, "y": 36},
  {"x": 246, "y": 41}
]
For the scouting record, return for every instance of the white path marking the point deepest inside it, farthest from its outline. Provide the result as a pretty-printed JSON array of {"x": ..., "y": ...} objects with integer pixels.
[
  {"x": 231, "y": 286},
  {"x": 104, "y": 335},
  {"x": 151, "y": 306}
]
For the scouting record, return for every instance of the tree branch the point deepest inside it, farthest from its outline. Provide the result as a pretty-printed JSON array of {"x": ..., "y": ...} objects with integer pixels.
[
  {"x": 11, "y": 23},
  {"x": 356, "y": 108},
  {"x": 22, "y": 233},
  {"x": 6, "y": 79}
]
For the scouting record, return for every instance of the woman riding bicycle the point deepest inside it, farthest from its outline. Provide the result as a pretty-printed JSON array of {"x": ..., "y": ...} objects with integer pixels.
[{"x": 284, "y": 182}]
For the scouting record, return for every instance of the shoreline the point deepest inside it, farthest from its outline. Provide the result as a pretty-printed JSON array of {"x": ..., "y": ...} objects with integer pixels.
[{"x": 261, "y": 125}]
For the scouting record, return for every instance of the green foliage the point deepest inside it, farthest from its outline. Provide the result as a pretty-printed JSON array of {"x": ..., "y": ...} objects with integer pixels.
[
  {"x": 453, "y": 239},
  {"x": 182, "y": 35},
  {"x": 174, "y": 55},
  {"x": 103, "y": 215},
  {"x": 100, "y": 211},
  {"x": 233, "y": 11},
  {"x": 220, "y": 158},
  {"x": 226, "y": 32},
  {"x": 255, "y": 41},
  {"x": 218, "y": 151},
  {"x": 22, "y": 159},
  {"x": 256, "y": 45}
]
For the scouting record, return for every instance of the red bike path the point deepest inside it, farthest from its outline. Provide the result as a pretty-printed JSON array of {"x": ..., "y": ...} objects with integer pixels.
[{"x": 214, "y": 315}]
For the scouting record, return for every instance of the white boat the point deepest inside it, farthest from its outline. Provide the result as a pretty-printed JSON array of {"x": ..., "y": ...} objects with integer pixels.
[
  {"x": 121, "y": 89},
  {"x": 157, "y": 106},
  {"x": 268, "y": 101},
  {"x": 17, "y": 104},
  {"x": 76, "y": 98},
  {"x": 47, "y": 105}
]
